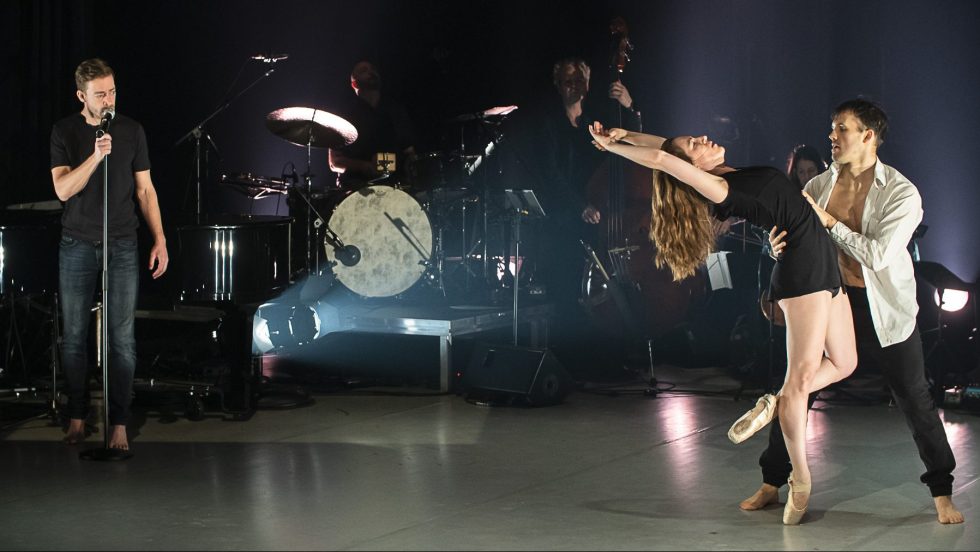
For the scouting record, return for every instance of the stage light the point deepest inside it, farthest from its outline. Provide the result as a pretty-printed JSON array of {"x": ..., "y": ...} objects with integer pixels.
[
  {"x": 951, "y": 300},
  {"x": 951, "y": 293},
  {"x": 949, "y": 342},
  {"x": 275, "y": 326}
]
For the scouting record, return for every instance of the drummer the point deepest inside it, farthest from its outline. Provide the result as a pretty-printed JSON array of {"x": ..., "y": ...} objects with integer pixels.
[{"x": 386, "y": 136}]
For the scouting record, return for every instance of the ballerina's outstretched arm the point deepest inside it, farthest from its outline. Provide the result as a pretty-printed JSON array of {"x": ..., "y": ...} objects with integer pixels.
[
  {"x": 713, "y": 188},
  {"x": 631, "y": 137}
]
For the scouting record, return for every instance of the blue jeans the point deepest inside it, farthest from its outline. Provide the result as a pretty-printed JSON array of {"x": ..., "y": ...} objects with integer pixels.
[{"x": 80, "y": 269}]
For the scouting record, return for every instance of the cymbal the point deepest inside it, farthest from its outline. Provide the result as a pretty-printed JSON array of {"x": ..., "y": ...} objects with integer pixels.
[
  {"x": 308, "y": 126},
  {"x": 492, "y": 113}
]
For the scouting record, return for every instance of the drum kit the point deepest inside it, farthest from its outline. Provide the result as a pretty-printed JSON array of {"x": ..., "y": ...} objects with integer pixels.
[{"x": 426, "y": 224}]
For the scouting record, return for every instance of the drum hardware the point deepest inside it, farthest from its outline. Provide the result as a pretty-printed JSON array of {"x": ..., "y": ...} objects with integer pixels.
[
  {"x": 309, "y": 128},
  {"x": 385, "y": 164},
  {"x": 464, "y": 252},
  {"x": 494, "y": 114},
  {"x": 489, "y": 120},
  {"x": 198, "y": 132},
  {"x": 255, "y": 186}
]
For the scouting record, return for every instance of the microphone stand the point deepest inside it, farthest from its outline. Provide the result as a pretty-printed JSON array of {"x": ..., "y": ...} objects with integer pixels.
[
  {"x": 198, "y": 131},
  {"x": 104, "y": 453}
]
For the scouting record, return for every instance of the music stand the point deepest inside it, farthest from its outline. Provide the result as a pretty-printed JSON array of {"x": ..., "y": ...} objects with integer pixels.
[{"x": 524, "y": 204}]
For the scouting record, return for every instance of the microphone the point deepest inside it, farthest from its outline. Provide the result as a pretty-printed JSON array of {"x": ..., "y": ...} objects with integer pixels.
[
  {"x": 107, "y": 118},
  {"x": 271, "y": 58},
  {"x": 348, "y": 255}
]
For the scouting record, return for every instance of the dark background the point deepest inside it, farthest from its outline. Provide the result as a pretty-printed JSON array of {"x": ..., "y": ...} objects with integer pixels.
[{"x": 774, "y": 69}]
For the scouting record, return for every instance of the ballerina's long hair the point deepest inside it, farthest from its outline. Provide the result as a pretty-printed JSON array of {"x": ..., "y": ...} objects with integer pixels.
[{"x": 680, "y": 222}]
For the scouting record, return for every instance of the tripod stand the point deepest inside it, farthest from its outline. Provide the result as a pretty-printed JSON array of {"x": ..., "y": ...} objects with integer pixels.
[
  {"x": 622, "y": 304},
  {"x": 14, "y": 348}
]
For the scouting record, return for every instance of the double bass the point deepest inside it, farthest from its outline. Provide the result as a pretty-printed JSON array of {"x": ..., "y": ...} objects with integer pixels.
[{"x": 622, "y": 289}]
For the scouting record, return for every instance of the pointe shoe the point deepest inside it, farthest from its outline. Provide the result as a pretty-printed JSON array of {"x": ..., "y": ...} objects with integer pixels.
[
  {"x": 791, "y": 514},
  {"x": 752, "y": 421}
]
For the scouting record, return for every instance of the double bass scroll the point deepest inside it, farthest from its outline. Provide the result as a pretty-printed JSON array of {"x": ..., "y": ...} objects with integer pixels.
[{"x": 622, "y": 192}]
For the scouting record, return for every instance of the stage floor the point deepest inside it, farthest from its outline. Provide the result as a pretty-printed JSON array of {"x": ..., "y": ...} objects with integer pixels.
[{"x": 402, "y": 468}]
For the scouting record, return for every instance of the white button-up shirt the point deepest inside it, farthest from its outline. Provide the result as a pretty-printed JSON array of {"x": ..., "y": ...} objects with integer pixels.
[{"x": 892, "y": 212}]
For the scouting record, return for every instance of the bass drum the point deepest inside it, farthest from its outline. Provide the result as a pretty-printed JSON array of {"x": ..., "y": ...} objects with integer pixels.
[{"x": 392, "y": 233}]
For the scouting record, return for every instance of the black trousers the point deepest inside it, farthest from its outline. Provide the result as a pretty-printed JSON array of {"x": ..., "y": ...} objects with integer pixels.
[{"x": 903, "y": 366}]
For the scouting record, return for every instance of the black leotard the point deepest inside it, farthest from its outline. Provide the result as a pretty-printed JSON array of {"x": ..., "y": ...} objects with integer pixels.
[{"x": 765, "y": 197}]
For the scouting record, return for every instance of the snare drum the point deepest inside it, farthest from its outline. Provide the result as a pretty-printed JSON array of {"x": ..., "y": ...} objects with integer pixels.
[{"x": 393, "y": 235}]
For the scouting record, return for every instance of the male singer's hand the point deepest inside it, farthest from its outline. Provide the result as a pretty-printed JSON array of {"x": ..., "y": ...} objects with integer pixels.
[
  {"x": 103, "y": 146},
  {"x": 159, "y": 259}
]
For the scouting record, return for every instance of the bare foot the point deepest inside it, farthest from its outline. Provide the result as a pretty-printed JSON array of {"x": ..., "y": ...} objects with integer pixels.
[
  {"x": 947, "y": 510},
  {"x": 118, "y": 439},
  {"x": 766, "y": 495},
  {"x": 76, "y": 431}
]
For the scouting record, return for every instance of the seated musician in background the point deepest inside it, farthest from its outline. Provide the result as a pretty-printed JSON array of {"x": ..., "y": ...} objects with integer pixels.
[{"x": 385, "y": 134}]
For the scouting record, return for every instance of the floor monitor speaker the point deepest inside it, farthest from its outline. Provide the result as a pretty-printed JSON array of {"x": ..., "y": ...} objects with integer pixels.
[{"x": 517, "y": 374}]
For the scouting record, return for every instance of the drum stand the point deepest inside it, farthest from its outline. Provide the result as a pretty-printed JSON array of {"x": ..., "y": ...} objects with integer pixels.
[
  {"x": 349, "y": 255},
  {"x": 440, "y": 215}
]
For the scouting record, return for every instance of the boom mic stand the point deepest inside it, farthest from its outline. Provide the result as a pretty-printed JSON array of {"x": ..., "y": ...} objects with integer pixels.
[
  {"x": 198, "y": 131},
  {"x": 105, "y": 453}
]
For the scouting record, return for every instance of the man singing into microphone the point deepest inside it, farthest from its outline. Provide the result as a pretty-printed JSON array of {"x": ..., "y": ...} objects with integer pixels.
[{"x": 80, "y": 144}]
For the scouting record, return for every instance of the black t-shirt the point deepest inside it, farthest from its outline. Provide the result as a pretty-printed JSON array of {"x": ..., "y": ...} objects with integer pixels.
[
  {"x": 387, "y": 128},
  {"x": 562, "y": 158},
  {"x": 73, "y": 141},
  {"x": 765, "y": 197}
]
